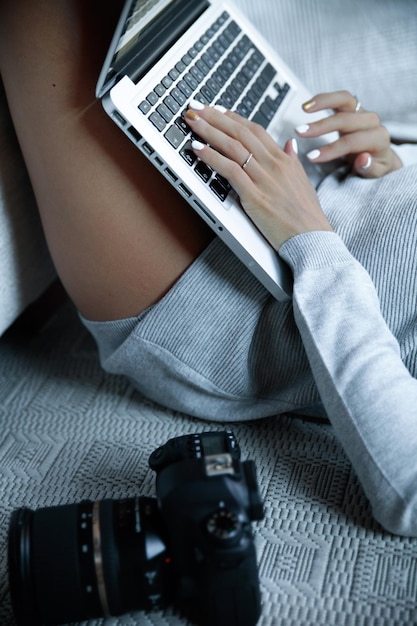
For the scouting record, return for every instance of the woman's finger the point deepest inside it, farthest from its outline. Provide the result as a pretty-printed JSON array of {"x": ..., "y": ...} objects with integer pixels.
[
  {"x": 258, "y": 130},
  {"x": 368, "y": 166},
  {"x": 239, "y": 177},
  {"x": 342, "y": 101},
  {"x": 340, "y": 122},
  {"x": 372, "y": 141}
]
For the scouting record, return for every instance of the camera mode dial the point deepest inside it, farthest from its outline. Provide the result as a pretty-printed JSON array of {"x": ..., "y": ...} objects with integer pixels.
[{"x": 224, "y": 526}]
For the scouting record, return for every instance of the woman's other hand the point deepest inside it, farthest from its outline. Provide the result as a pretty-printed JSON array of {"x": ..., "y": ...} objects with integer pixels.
[{"x": 363, "y": 141}]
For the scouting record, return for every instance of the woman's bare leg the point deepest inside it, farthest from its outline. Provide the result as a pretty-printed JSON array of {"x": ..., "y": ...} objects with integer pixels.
[{"x": 118, "y": 233}]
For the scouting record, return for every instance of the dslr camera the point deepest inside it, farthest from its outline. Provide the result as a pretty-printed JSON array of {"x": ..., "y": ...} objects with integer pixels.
[{"x": 192, "y": 546}]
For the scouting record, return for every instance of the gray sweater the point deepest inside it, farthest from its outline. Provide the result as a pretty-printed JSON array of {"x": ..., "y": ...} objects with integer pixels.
[
  {"x": 219, "y": 347},
  {"x": 366, "y": 376}
]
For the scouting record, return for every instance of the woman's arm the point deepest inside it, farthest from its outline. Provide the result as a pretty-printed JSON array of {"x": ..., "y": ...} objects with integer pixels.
[{"x": 369, "y": 394}]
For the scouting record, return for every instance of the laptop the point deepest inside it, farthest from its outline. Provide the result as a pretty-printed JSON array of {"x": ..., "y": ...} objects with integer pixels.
[{"x": 165, "y": 52}]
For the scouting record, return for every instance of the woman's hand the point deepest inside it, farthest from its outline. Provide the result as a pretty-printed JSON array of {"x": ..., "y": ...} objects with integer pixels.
[
  {"x": 271, "y": 183},
  {"x": 363, "y": 141}
]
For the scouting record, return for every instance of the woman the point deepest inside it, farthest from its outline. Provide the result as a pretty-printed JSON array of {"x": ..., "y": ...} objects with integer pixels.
[{"x": 172, "y": 309}]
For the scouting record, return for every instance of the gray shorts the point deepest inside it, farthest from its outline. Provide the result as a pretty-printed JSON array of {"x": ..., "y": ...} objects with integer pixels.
[
  {"x": 216, "y": 346},
  {"x": 219, "y": 346}
]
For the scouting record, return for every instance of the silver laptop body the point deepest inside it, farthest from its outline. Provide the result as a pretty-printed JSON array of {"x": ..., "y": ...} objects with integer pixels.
[{"x": 165, "y": 52}]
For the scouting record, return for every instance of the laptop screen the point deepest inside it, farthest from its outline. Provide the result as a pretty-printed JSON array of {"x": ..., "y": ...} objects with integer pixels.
[
  {"x": 142, "y": 14},
  {"x": 146, "y": 30}
]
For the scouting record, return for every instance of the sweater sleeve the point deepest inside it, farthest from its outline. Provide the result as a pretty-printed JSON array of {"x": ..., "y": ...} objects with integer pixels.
[
  {"x": 407, "y": 153},
  {"x": 369, "y": 395}
]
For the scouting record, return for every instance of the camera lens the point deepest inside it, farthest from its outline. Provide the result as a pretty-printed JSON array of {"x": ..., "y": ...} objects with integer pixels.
[{"x": 76, "y": 562}]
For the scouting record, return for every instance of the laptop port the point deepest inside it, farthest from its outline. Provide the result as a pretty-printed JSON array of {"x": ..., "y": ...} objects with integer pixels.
[
  {"x": 184, "y": 190},
  {"x": 203, "y": 210},
  {"x": 146, "y": 148},
  {"x": 134, "y": 133},
  {"x": 171, "y": 175},
  {"x": 118, "y": 118}
]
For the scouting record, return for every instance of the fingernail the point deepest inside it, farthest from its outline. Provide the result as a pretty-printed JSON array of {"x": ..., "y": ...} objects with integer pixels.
[
  {"x": 294, "y": 145},
  {"x": 197, "y": 145},
  {"x": 314, "y": 154},
  {"x": 220, "y": 107},
  {"x": 309, "y": 105},
  {"x": 192, "y": 115},
  {"x": 367, "y": 164},
  {"x": 195, "y": 104},
  {"x": 303, "y": 128}
]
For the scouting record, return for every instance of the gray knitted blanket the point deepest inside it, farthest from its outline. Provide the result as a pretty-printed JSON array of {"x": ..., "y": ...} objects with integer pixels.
[{"x": 70, "y": 432}]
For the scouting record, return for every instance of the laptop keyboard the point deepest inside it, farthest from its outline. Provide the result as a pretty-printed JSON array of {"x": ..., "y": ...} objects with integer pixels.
[{"x": 222, "y": 67}]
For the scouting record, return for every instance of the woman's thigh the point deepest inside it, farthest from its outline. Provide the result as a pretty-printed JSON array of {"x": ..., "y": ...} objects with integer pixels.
[{"x": 119, "y": 235}]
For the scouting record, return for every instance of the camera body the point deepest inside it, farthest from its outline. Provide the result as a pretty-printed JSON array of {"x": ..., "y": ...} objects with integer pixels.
[
  {"x": 208, "y": 498},
  {"x": 192, "y": 546}
]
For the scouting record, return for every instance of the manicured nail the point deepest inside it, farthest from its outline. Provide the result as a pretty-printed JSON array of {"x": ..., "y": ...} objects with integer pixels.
[
  {"x": 195, "y": 104},
  {"x": 192, "y": 115},
  {"x": 309, "y": 105},
  {"x": 314, "y": 154},
  {"x": 367, "y": 164},
  {"x": 294, "y": 145},
  {"x": 197, "y": 145},
  {"x": 220, "y": 107},
  {"x": 303, "y": 128}
]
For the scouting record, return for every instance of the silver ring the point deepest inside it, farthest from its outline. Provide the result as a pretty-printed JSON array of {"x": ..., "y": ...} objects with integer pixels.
[
  {"x": 246, "y": 163},
  {"x": 358, "y": 104}
]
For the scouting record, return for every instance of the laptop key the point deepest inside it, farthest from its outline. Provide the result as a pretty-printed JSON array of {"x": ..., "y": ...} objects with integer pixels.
[
  {"x": 175, "y": 136},
  {"x": 219, "y": 189},
  {"x": 188, "y": 154},
  {"x": 232, "y": 31},
  {"x": 203, "y": 67},
  {"x": 196, "y": 74},
  {"x": 204, "y": 171},
  {"x": 193, "y": 52},
  {"x": 191, "y": 81},
  {"x": 259, "y": 118},
  {"x": 267, "y": 110},
  {"x": 164, "y": 112},
  {"x": 167, "y": 82},
  {"x": 184, "y": 88},
  {"x": 145, "y": 107},
  {"x": 248, "y": 104},
  {"x": 214, "y": 54},
  {"x": 160, "y": 89},
  {"x": 268, "y": 72},
  {"x": 208, "y": 60},
  {"x": 158, "y": 121},
  {"x": 223, "y": 181},
  {"x": 171, "y": 104},
  {"x": 243, "y": 110},
  {"x": 152, "y": 98},
  {"x": 208, "y": 94},
  {"x": 180, "y": 67},
  {"x": 174, "y": 74},
  {"x": 178, "y": 96},
  {"x": 201, "y": 98},
  {"x": 182, "y": 125},
  {"x": 186, "y": 59}
]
